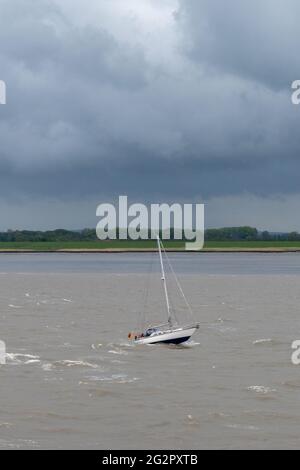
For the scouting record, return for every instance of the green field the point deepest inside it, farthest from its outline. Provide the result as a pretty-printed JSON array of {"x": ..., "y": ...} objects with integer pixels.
[
  {"x": 85, "y": 245},
  {"x": 253, "y": 245},
  {"x": 144, "y": 245}
]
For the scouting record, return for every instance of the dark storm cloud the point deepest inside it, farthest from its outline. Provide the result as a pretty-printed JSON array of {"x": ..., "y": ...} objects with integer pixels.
[
  {"x": 89, "y": 113},
  {"x": 254, "y": 39}
]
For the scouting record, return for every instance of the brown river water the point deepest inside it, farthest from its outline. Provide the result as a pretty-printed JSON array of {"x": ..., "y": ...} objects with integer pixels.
[{"x": 72, "y": 380}]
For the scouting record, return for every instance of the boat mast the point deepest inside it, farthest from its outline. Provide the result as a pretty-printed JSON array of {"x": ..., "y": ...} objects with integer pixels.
[{"x": 163, "y": 278}]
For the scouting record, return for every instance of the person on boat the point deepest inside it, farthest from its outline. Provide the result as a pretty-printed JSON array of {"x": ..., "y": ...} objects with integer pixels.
[
  {"x": 135, "y": 336},
  {"x": 150, "y": 331}
]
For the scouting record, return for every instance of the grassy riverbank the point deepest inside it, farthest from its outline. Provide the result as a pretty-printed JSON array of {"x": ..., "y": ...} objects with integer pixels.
[{"x": 92, "y": 246}]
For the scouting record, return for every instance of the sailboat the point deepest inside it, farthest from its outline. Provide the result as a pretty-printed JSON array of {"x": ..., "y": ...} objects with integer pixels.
[{"x": 171, "y": 332}]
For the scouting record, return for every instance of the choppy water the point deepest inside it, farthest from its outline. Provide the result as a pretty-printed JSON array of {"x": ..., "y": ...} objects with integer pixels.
[{"x": 72, "y": 380}]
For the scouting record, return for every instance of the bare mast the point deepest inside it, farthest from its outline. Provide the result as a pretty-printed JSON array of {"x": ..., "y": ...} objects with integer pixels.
[{"x": 163, "y": 278}]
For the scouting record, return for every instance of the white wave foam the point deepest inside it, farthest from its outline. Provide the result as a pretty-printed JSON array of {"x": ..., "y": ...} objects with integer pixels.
[
  {"x": 262, "y": 341},
  {"x": 191, "y": 420},
  {"x": 69, "y": 363},
  {"x": 19, "y": 355},
  {"x": 242, "y": 427},
  {"x": 260, "y": 389},
  {"x": 18, "y": 358},
  {"x": 119, "y": 352},
  {"x": 223, "y": 320},
  {"x": 192, "y": 344},
  {"x": 115, "y": 378}
]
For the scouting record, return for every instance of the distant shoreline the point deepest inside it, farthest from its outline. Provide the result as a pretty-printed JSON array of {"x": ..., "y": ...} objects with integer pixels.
[
  {"x": 146, "y": 246},
  {"x": 276, "y": 250}
]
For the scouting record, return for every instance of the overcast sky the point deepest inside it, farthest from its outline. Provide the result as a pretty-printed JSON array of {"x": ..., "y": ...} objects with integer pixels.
[{"x": 160, "y": 100}]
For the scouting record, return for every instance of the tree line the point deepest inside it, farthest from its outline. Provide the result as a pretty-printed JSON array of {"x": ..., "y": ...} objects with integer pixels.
[
  {"x": 221, "y": 234},
  {"x": 248, "y": 234}
]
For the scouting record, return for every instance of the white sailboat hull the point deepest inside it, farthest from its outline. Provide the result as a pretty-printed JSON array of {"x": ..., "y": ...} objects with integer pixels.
[{"x": 172, "y": 336}]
